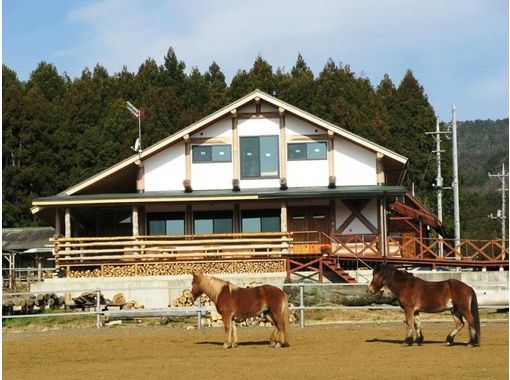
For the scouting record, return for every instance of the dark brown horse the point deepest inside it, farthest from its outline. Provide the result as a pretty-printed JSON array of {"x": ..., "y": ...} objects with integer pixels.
[
  {"x": 236, "y": 304},
  {"x": 416, "y": 295}
]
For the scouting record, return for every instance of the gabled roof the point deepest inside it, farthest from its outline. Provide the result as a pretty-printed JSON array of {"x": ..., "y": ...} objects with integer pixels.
[{"x": 125, "y": 165}]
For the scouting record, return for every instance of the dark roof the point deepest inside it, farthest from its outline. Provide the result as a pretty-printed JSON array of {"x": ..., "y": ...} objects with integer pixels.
[
  {"x": 227, "y": 194},
  {"x": 21, "y": 239}
]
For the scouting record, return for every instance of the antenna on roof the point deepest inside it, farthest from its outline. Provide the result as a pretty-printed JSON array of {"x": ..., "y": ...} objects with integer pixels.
[
  {"x": 136, "y": 147},
  {"x": 275, "y": 94},
  {"x": 136, "y": 113}
]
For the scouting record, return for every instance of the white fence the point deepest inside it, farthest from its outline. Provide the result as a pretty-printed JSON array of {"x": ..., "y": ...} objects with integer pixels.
[{"x": 303, "y": 297}]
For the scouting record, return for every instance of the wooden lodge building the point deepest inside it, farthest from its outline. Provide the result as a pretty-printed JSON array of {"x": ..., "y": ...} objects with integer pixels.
[{"x": 259, "y": 185}]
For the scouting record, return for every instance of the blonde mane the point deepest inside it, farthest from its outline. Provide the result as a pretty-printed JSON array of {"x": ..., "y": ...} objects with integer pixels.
[{"x": 212, "y": 286}]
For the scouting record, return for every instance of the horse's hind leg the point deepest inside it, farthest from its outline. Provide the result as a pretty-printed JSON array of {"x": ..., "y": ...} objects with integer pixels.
[
  {"x": 473, "y": 337},
  {"x": 277, "y": 338},
  {"x": 234, "y": 334},
  {"x": 459, "y": 324},
  {"x": 417, "y": 327}
]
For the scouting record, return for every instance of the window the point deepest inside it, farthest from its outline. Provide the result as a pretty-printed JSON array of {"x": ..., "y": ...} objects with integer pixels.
[
  {"x": 260, "y": 220},
  {"x": 211, "y": 153},
  {"x": 259, "y": 156},
  {"x": 165, "y": 223},
  {"x": 114, "y": 222},
  {"x": 212, "y": 222},
  {"x": 307, "y": 151}
]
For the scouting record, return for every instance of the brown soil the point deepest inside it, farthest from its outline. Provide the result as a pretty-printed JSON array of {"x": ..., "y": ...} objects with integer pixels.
[{"x": 348, "y": 351}]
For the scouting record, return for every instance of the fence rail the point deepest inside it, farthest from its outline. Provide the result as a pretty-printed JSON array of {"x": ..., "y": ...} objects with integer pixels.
[{"x": 100, "y": 310}]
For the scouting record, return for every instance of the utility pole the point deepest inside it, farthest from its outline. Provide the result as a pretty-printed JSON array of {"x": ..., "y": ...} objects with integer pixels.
[
  {"x": 439, "y": 180},
  {"x": 501, "y": 214},
  {"x": 455, "y": 184}
]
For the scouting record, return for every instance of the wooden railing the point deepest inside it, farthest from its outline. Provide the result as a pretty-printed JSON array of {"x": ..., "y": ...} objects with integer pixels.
[
  {"x": 83, "y": 250},
  {"x": 413, "y": 248}
]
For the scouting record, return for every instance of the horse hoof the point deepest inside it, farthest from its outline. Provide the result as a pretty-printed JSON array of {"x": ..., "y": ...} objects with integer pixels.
[
  {"x": 278, "y": 345},
  {"x": 449, "y": 340},
  {"x": 225, "y": 345}
]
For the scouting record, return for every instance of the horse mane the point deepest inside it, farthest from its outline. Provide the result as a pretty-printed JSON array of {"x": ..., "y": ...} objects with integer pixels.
[
  {"x": 389, "y": 271},
  {"x": 403, "y": 274},
  {"x": 213, "y": 286}
]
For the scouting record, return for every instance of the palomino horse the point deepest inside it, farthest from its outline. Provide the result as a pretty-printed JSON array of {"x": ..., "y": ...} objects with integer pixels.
[
  {"x": 236, "y": 304},
  {"x": 416, "y": 295}
]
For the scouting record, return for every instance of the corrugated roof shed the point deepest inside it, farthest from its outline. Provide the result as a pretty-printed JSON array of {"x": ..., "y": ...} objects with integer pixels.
[{"x": 21, "y": 239}]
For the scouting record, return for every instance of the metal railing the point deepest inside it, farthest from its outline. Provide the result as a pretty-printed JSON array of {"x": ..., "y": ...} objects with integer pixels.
[{"x": 100, "y": 310}]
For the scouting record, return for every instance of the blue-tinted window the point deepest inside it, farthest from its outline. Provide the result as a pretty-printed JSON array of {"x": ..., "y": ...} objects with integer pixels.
[
  {"x": 307, "y": 151},
  {"x": 211, "y": 153},
  {"x": 259, "y": 156},
  {"x": 260, "y": 221},
  {"x": 165, "y": 223},
  {"x": 212, "y": 222}
]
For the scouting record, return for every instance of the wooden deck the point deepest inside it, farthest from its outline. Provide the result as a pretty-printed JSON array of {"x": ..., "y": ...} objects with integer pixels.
[{"x": 93, "y": 252}]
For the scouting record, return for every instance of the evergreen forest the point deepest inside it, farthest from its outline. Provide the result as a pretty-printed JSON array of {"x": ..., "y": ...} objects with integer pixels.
[{"x": 58, "y": 131}]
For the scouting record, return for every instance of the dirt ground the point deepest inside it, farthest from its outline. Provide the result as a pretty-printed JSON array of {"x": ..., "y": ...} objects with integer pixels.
[{"x": 327, "y": 351}]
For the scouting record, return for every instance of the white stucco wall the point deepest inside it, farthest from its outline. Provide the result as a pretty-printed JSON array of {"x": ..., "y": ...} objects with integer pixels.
[
  {"x": 307, "y": 173},
  {"x": 212, "y": 175},
  {"x": 354, "y": 165},
  {"x": 166, "y": 170},
  {"x": 222, "y": 128},
  {"x": 259, "y": 127},
  {"x": 295, "y": 126}
]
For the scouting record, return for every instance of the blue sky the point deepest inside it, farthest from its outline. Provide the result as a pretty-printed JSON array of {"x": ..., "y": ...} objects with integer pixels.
[{"x": 457, "y": 49}]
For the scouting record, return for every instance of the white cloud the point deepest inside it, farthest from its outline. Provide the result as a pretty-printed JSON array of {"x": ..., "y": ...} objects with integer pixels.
[{"x": 434, "y": 38}]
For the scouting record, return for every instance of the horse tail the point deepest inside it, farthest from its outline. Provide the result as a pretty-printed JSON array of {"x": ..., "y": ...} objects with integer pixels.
[
  {"x": 285, "y": 317},
  {"x": 476, "y": 315}
]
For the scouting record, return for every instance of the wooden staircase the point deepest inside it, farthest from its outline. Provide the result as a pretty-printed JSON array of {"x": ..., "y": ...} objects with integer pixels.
[{"x": 344, "y": 276}]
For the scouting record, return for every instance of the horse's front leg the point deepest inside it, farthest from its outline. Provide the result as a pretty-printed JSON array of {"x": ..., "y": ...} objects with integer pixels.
[
  {"x": 227, "y": 324},
  {"x": 417, "y": 327},
  {"x": 409, "y": 314}
]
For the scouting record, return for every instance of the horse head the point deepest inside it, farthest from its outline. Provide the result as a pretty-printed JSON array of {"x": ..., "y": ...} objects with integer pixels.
[
  {"x": 380, "y": 277},
  {"x": 196, "y": 286}
]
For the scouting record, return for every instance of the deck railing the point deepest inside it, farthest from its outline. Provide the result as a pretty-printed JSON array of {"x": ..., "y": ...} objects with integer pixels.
[
  {"x": 82, "y": 251},
  {"x": 94, "y": 250}
]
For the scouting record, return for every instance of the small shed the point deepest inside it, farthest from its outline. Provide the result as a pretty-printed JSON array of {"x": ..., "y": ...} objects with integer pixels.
[{"x": 25, "y": 250}]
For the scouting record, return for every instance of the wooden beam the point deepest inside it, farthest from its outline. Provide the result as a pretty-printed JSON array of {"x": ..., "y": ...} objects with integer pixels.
[
  {"x": 380, "y": 169},
  {"x": 187, "y": 153},
  {"x": 236, "y": 175},
  {"x": 67, "y": 222},
  {"x": 259, "y": 115},
  {"x": 282, "y": 147}
]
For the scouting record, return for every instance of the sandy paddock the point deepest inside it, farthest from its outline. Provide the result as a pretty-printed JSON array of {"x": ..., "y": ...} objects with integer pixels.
[{"x": 332, "y": 351}]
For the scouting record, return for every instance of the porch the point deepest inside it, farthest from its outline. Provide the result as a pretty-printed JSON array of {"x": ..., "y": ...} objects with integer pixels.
[{"x": 267, "y": 251}]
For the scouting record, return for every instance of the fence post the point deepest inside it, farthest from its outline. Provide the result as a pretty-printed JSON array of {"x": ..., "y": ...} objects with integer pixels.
[
  {"x": 301, "y": 306},
  {"x": 98, "y": 308},
  {"x": 199, "y": 313}
]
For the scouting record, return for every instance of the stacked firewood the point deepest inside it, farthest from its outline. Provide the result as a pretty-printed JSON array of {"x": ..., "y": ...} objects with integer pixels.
[
  {"x": 186, "y": 300},
  {"x": 180, "y": 268},
  {"x": 31, "y": 303}
]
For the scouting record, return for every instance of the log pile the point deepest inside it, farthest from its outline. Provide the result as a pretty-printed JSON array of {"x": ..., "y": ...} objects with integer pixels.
[
  {"x": 186, "y": 300},
  {"x": 180, "y": 268},
  {"x": 31, "y": 303}
]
